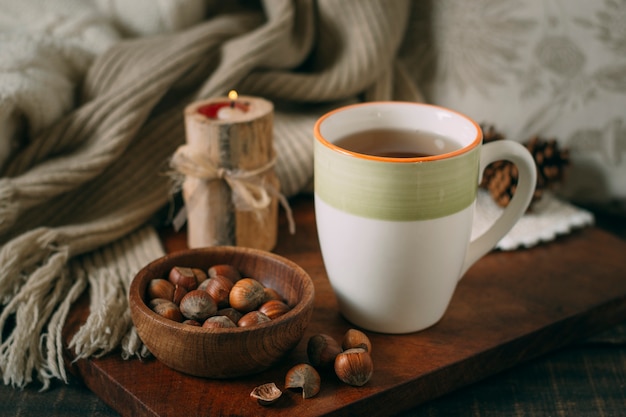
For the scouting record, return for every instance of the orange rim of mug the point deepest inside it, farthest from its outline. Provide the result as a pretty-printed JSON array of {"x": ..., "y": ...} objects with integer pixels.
[{"x": 316, "y": 131}]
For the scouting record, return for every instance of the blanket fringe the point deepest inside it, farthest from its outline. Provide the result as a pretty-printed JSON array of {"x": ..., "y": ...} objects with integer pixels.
[
  {"x": 109, "y": 319},
  {"x": 40, "y": 284},
  {"x": 110, "y": 271},
  {"x": 35, "y": 275},
  {"x": 52, "y": 343}
]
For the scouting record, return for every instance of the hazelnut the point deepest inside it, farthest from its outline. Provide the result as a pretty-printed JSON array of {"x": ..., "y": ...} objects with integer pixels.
[
  {"x": 179, "y": 293},
  {"x": 356, "y": 339},
  {"x": 354, "y": 366},
  {"x": 304, "y": 377},
  {"x": 219, "y": 288},
  {"x": 198, "y": 305},
  {"x": 272, "y": 294},
  {"x": 192, "y": 323},
  {"x": 231, "y": 313},
  {"x": 252, "y": 318},
  {"x": 184, "y": 277},
  {"x": 156, "y": 301},
  {"x": 160, "y": 288},
  {"x": 200, "y": 275},
  {"x": 322, "y": 350},
  {"x": 266, "y": 394},
  {"x": 202, "y": 286},
  {"x": 225, "y": 270},
  {"x": 274, "y": 308},
  {"x": 246, "y": 295},
  {"x": 169, "y": 310},
  {"x": 218, "y": 322}
]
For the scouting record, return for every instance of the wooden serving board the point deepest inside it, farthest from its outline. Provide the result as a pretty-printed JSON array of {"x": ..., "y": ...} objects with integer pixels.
[{"x": 510, "y": 307}]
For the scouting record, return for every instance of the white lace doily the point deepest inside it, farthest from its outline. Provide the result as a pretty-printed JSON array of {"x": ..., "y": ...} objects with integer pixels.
[{"x": 550, "y": 218}]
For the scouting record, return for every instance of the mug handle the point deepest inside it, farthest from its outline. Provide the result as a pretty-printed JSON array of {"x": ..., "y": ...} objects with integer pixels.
[{"x": 527, "y": 180}]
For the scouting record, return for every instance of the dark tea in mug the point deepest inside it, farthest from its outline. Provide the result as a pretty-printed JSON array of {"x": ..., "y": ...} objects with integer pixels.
[{"x": 397, "y": 143}]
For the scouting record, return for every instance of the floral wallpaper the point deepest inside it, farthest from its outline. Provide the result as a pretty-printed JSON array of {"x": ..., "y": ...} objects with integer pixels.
[{"x": 556, "y": 68}]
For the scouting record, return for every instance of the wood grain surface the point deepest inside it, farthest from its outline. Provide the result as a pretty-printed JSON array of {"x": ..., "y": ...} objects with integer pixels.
[{"x": 510, "y": 307}]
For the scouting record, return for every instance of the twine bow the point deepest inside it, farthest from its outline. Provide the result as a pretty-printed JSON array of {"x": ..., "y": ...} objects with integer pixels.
[{"x": 249, "y": 192}]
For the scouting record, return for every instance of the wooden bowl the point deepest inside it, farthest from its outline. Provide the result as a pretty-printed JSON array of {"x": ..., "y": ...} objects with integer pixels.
[{"x": 225, "y": 353}]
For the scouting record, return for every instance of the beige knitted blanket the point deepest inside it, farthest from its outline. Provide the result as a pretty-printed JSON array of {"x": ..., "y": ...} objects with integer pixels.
[{"x": 91, "y": 106}]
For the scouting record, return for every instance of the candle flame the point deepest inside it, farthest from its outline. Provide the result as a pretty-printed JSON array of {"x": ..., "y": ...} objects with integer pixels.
[{"x": 232, "y": 94}]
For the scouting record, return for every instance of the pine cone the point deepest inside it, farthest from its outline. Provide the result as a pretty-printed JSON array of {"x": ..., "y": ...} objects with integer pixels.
[
  {"x": 500, "y": 178},
  {"x": 501, "y": 183},
  {"x": 490, "y": 133}
]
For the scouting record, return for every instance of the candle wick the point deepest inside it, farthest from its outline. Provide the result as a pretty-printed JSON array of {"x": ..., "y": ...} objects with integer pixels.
[{"x": 232, "y": 95}]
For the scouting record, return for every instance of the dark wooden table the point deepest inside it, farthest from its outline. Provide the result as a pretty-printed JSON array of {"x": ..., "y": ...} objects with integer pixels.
[{"x": 587, "y": 377}]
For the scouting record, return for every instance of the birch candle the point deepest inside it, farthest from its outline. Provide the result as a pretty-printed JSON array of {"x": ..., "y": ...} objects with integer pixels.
[{"x": 230, "y": 189}]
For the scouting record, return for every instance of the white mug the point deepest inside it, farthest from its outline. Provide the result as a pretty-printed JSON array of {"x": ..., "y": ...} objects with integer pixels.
[{"x": 395, "y": 231}]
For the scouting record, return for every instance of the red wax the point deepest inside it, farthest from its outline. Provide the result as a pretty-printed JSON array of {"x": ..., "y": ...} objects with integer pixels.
[{"x": 210, "y": 110}]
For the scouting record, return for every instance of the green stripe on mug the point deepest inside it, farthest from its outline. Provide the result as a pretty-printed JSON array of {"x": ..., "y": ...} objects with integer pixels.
[{"x": 396, "y": 191}]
